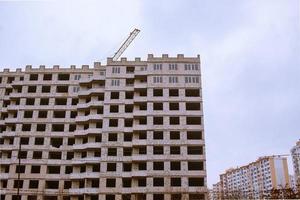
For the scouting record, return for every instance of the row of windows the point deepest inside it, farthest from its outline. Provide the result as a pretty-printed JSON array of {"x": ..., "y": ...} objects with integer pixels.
[
  {"x": 111, "y": 137},
  {"x": 156, "y": 196},
  {"x": 110, "y": 167},
  {"x": 109, "y": 183},
  {"x": 174, "y": 79},
  {"x": 173, "y": 66},
  {"x": 127, "y": 151}
]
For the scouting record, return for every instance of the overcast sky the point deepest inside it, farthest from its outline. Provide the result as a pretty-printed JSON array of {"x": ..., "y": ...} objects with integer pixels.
[{"x": 250, "y": 54}]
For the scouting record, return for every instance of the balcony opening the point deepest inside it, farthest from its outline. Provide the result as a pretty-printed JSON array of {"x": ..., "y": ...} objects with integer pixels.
[
  {"x": 142, "y": 182},
  {"x": 112, "y": 151},
  {"x": 73, "y": 114},
  {"x": 196, "y": 197},
  {"x": 192, "y": 92},
  {"x": 96, "y": 167},
  {"x": 61, "y": 101},
  {"x": 175, "y": 166},
  {"x": 74, "y": 101},
  {"x": 59, "y": 114},
  {"x": 37, "y": 155},
  {"x": 143, "y": 106},
  {"x": 113, "y": 122},
  {"x": 44, "y": 102},
  {"x": 193, "y": 120},
  {"x": 63, "y": 77},
  {"x": 28, "y": 114},
  {"x": 82, "y": 169},
  {"x": 111, "y": 167},
  {"x": 68, "y": 170},
  {"x": 67, "y": 185},
  {"x": 22, "y": 154},
  {"x": 142, "y": 166},
  {"x": 99, "y": 124},
  {"x": 26, "y": 127},
  {"x": 142, "y": 92},
  {"x": 47, "y": 77},
  {"x": 35, "y": 169},
  {"x": 129, "y": 95},
  {"x": 127, "y": 151},
  {"x": 142, "y": 120},
  {"x": 158, "y": 120},
  {"x": 110, "y": 182},
  {"x": 175, "y": 182},
  {"x": 31, "y": 89},
  {"x": 46, "y": 89},
  {"x": 18, "y": 183},
  {"x": 56, "y": 142},
  {"x": 175, "y": 150},
  {"x": 127, "y": 136},
  {"x": 109, "y": 197},
  {"x": 195, "y": 165},
  {"x": 142, "y": 150},
  {"x": 174, "y": 135},
  {"x": 53, "y": 170},
  {"x": 70, "y": 155},
  {"x": 194, "y": 182},
  {"x": 174, "y": 106},
  {"x": 158, "y": 182},
  {"x": 176, "y": 196},
  {"x": 55, "y": 155},
  {"x": 39, "y": 141},
  {"x": 42, "y": 114},
  {"x": 95, "y": 183},
  {"x": 158, "y": 135},
  {"x": 58, "y": 127},
  {"x": 114, "y": 95},
  {"x": 97, "y": 153},
  {"x": 158, "y": 106},
  {"x": 127, "y": 167},
  {"x": 129, "y": 70},
  {"x": 52, "y": 184},
  {"x": 114, "y": 108},
  {"x": 98, "y": 138},
  {"x": 30, "y": 101},
  {"x": 20, "y": 169},
  {"x": 129, "y": 81},
  {"x": 24, "y": 140},
  {"x": 62, "y": 89},
  {"x": 158, "y": 165},
  {"x": 193, "y": 106},
  {"x": 195, "y": 150},
  {"x": 126, "y": 196},
  {"x": 41, "y": 127},
  {"x": 173, "y": 93},
  {"x": 33, "y": 77},
  {"x": 100, "y": 110},
  {"x": 128, "y": 108},
  {"x": 158, "y": 150},
  {"x": 126, "y": 182},
  {"x": 194, "y": 135},
  {"x": 174, "y": 120},
  {"x": 157, "y": 92}
]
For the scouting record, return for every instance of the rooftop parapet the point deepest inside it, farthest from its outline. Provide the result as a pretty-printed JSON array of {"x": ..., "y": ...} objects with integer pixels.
[
  {"x": 178, "y": 58},
  {"x": 125, "y": 62}
]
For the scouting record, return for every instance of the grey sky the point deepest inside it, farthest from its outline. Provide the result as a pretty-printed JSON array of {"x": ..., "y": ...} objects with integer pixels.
[{"x": 249, "y": 49}]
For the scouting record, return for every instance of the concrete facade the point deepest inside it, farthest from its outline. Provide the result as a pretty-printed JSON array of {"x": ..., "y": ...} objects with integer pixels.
[
  {"x": 255, "y": 179},
  {"x": 295, "y": 152},
  {"x": 125, "y": 130}
]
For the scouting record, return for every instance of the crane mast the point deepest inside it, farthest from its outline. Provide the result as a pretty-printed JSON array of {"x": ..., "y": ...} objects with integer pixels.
[{"x": 124, "y": 46}]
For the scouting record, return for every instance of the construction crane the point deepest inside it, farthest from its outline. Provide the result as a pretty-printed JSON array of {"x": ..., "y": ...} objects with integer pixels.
[{"x": 124, "y": 46}]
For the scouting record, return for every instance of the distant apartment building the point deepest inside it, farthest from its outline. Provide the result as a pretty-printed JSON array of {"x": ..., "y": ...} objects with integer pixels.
[
  {"x": 255, "y": 179},
  {"x": 216, "y": 191},
  {"x": 120, "y": 131},
  {"x": 295, "y": 152}
]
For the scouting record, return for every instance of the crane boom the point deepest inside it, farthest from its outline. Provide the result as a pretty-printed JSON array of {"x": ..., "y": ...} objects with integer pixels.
[{"x": 127, "y": 42}]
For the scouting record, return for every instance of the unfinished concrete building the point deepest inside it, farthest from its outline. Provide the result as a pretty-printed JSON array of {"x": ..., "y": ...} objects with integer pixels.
[{"x": 125, "y": 130}]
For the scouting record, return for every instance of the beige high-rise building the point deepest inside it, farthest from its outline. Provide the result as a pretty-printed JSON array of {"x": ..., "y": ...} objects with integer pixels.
[
  {"x": 255, "y": 179},
  {"x": 295, "y": 152},
  {"x": 124, "y": 130}
]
